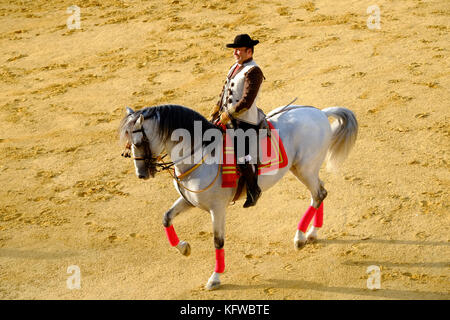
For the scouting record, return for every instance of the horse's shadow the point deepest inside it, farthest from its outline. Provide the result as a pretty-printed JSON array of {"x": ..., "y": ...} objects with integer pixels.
[
  {"x": 287, "y": 284},
  {"x": 384, "y": 241}
]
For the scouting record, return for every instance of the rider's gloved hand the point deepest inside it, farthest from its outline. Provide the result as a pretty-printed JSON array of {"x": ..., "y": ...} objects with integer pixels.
[{"x": 224, "y": 118}]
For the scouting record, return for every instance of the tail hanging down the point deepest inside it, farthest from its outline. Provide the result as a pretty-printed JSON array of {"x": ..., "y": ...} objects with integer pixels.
[{"x": 345, "y": 131}]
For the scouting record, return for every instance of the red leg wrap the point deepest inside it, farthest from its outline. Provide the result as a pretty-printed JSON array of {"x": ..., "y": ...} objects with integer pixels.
[
  {"x": 306, "y": 219},
  {"x": 318, "y": 218},
  {"x": 220, "y": 260},
  {"x": 172, "y": 236}
]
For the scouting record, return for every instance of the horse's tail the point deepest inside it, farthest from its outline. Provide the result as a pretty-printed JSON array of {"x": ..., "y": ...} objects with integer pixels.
[{"x": 345, "y": 131}]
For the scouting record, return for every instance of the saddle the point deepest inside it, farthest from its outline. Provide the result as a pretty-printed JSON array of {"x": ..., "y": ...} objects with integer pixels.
[{"x": 272, "y": 157}]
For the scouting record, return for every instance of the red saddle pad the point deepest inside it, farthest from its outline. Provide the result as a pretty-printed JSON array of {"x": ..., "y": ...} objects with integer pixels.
[{"x": 273, "y": 157}]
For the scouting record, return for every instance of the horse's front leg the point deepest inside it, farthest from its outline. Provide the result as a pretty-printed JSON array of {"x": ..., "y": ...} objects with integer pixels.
[
  {"x": 177, "y": 207},
  {"x": 218, "y": 221}
]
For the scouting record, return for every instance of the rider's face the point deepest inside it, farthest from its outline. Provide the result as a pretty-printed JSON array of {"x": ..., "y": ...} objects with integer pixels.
[{"x": 242, "y": 54}]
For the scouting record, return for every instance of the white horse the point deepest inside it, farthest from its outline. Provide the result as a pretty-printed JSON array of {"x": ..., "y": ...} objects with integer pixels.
[{"x": 307, "y": 136}]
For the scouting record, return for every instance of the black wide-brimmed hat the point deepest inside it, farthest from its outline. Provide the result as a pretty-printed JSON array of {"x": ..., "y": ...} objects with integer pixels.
[{"x": 243, "y": 40}]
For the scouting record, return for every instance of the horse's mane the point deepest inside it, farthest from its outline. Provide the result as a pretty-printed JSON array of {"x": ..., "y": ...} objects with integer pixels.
[{"x": 170, "y": 117}]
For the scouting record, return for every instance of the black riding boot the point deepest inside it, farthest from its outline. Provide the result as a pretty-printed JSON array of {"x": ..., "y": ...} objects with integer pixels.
[{"x": 251, "y": 180}]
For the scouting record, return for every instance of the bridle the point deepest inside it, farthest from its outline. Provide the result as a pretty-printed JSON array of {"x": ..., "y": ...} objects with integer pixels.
[{"x": 151, "y": 163}]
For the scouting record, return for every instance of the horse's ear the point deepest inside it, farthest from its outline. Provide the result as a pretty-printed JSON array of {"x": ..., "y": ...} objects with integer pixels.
[
  {"x": 129, "y": 110},
  {"x": 140, "y": 122}
]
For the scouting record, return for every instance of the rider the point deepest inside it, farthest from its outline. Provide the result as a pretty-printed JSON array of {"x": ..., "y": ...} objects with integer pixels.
[{"x": 237, "y": 106}]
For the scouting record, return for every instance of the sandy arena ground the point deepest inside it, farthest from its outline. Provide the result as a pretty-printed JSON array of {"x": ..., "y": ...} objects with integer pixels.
[{"x": 68, "y": 198}]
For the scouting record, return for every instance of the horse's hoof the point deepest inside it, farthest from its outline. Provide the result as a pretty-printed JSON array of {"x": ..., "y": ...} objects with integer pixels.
[
  {"x": 299, "y": 240},
  {"x": 213, "y": 281},
  {"x": 184, "y": 248},
  {"x": 299, "y": 244},
  {"x": 311, "y": 238},
  {"x": 212, "y": 285}
]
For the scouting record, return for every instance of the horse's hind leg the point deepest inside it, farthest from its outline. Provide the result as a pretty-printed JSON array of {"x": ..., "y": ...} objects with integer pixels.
[
  {"x": 178, "y": 206},
  {"x": 310, "y": 178},
  {"x": 311, "y": 236}
]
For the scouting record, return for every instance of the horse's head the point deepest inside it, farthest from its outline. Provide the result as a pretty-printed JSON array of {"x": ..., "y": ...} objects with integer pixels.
[
  {"x": 141, "y": 147},
  {"x": 150, "y": 131}
]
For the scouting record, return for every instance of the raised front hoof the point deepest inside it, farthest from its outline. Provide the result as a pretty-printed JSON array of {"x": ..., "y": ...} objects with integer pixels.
[
  {"x": 299, "y": 244},
  {"x": 212, "y": 285},
  {"x": 184, "y": 248}
]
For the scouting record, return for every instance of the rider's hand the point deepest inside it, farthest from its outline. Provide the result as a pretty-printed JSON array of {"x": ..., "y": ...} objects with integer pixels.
[{"x": 224, "y": 118}]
